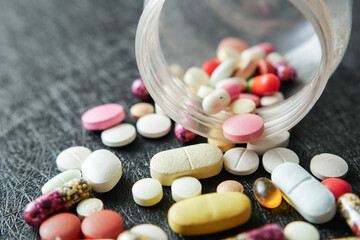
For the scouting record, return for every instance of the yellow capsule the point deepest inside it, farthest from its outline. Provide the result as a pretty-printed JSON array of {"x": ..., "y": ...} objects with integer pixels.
[{"x": 266, "y": 193}]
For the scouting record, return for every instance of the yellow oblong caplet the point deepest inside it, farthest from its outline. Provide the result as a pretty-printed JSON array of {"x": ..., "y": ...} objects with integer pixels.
[{"x": 209, "y": 213}]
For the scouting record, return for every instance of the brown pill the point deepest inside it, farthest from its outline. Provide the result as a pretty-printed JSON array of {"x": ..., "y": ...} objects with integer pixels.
[
  {"x": 245, "y": 69},
  {"x": 141, "y": 109},
  {"x": 230, "y": 186},
  {"x": 62, "y": 226},
  {"x": 224, "y": 146}
]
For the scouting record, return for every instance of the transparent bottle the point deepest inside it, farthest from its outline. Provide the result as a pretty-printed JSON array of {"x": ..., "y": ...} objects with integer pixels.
[{"x": 312, "y": 35}]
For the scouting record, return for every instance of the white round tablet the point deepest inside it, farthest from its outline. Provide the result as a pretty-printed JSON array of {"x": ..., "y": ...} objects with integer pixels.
[
  {"x": 88, "y": 206},
  {"x": 185, "y": 187},
  {"x": 300, "y": 230},
  {"x": 149, "y": 230},
  {"x": 328, "y": 165},
  {"x": 276, "y": 156},
  {"x": 118, "y": 136},
  {"x": 147, "y": 192},
  {"x": 241, "y": 161},
  {"x": 266, "y": 101},
  {"x": 72, "y": 158},
  {"x": 153, "y": 125}
]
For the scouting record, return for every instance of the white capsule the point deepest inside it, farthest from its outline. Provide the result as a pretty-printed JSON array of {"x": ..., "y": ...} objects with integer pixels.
[
  {"x": 195, "y": 77},
  {"x": 216, "y": 101},
  {"x": 223, "y": 71}
]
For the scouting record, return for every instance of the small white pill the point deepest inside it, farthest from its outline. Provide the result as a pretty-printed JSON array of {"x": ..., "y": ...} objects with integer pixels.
[
  {"x": 254, "y": 53},
  {"x": 72, "y": 158},
  {"x": 60, "y": 179},
  {"x": 300, "y": 230},
  {"x": 276, "y": 156},
  {"x": 178, "y": 70},
  {"x": 216, "y": 101},
  {"x": 118, "y": 136},
  {"x": 147, "y": 192},
  {"x": 241, "y": 161},
  {"x": 153, "y": 125},
  {"x": 262, "y": 145},
  {"x": 228, "y": 53},
  {"x": 266, "y": 101},
  {"x": 149, "y": 230},
  {"x": 195, "y": 77},
  {"x": 102, "y": 169},
  {"x": 204, "y": 91},
  {"x": 242, "y": 106},
  {"x": 223, "y": 71},
  {"x": 88, "y": 206},
  {"x": 158, "y": 110},
  {"x": 274, "y": 57},
  {"x": 185, "y": 187},
  {"x": 328, "y": 165},
  {"x": 237, "y": 80}
]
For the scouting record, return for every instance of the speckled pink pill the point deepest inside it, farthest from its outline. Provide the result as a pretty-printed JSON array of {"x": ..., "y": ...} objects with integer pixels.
[
  {"x": 243, "y": 127},
  {"x": 103, "y": 117}
]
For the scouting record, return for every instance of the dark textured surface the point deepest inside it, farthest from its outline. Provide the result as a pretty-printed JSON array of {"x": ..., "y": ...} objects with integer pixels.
[{"x": 59, "y": 58}]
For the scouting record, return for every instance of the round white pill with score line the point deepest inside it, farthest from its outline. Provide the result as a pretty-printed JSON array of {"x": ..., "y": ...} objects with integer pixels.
[
  {"x": 327, "y": 165},
  {"x": 276, "y": 156},
  {"x": 147, "y": 192},
  {"x": 185, "y": 187},
  {"x": 149, "y": 230},
  {"x": 72, "y": 158},
  {"x": 118, "y": 136},
  {"x": 88, "y": 206},
  {"x": 153, "y": 125},
  {"x": 300, "y": 230},
  {"x": 241, "y": 161}
]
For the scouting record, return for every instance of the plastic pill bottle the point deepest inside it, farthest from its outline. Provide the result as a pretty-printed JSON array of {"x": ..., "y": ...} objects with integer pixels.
[{"x": 312, "y": 35}]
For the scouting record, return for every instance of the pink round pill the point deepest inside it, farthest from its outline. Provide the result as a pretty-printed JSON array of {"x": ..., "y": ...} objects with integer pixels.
[
  {"x": 103, "y": 117},
  {"x": 251, "y": 96},
  {"x": 243, "y": 127}
]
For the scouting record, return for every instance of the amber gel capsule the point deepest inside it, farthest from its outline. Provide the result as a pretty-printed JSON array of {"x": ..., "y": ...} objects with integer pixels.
[
  {"x": 266, "y": 193},
  {"x": 58, "y": 200}
]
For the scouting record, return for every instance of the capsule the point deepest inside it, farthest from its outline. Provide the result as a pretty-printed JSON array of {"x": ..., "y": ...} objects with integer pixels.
[
  {"x": 58, "y": 200},
  {"x": 349, "y": 208},
  {"x": 267, "y": 232},
  {"x": 266, "y": 193}
]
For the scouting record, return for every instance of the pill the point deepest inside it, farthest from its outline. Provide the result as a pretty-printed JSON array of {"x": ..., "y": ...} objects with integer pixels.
[
  {"x": 241, "y": 161},
  {"x": 269, "y": 231},
  {"x": 274, "y": 57},
  {"x": 89, "y": 206},
  {"x": 240, "y": 81},
  {"x": 245, "y": 69},
  {"x": 147, "y": 192},
  {"x": 285, "y": 72},
  {"x": 185, "y": 187},
  {"x": 139, "y": 90},
  {"x": 230, "y": 186},
  {"x": 178, "y": 71},
  {"x": 127, "y": 235},
  {"x": 223, "y": 71},
  {"x": 328, "y": 165},
  {"x": 103, "y": 117},
  {"x": 209, "y": 213},
  {"x": 266, "y": 193},
  {"x": 266, "y": 84},
  {"x": 297, "y": 185},
  {"x": 203, "y": 91},
  {"x": 158, "y": 110},
  {"x": 199, "y": 161},
  {"x": 58, "y": 200},
  {"x": 260, "y": 146},
  {"x": 223, "y": 146},
  {"x": 102, "y": 224},
  {"x": 264, "y": 67},
  {"x": 232, "y": 42},
  {"x": 210, "y": 65},
  {"x": 227, "y": 53},
  {"x": 64, "y": 226},
  {"x": 153, "y": 125},
  {"x": 141, "y": 109},
  {"x": 243, "y": 105},
  {"x": 183, "y": 134},
  {"x": 267, "y": 47},
  {"x": 118, "y": 136},
  {"x": 243, "y": 127},
  {"x": 102, "y": 169},
  {"x": 270, "y": 100},
  {"x": 150, "y": 231},
  {"x": 195, "y": 77},
  {"x": 276, "y": 156},
  {"x": 254, "y": 53},
  {"x": 349, "y": 208},
  {"x": 233, "y": 90},
  {"x": 72, "y": 158},
  {"x": 216, "y": 101},
  {"x": 253, "y": 97},
  {"x": 300, "y": 230},
  {"x": 337, "y": 186},
  {"x": 60, "y": 180}
]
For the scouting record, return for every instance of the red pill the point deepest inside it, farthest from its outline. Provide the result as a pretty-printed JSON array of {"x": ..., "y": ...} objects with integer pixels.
[
  {"x": 266, "y": 84},
  {"x": 337, "y": 186},
  {"x": 264, "y": 67},
  {"x": 62, "y": 226},
  {"x": 210, "y": 65},
  {"x": 233, "y": 89}
]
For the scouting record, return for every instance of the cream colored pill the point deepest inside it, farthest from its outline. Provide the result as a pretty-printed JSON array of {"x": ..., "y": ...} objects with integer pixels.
[
  {"x": 178, "y": 70},
  {"x": 276, "y": 156},
  {"x": 199, "y": 161},
  {"x": 328, "y": 165},
  {"x": 88, "y": 206},
  {"x": 72, "y": 158},
  {"x": 223, "y": 146},
  {"x": 118, "y": 136},
  {"x": 223, "y": 71},
  {"x": 141, "y": 109},
  {"x": 195, "y": 77},
  {"x": 241, "y": 161},
  {"x": 300, "y": 230},
  {"x": 185, "y": 187},
  {"x": 158, "y": 110},
  {"x": 260, "y": 146},
  {"x": 216, "y": 101},
  {"x": 227, "y": 53},
  {"x": 274, "y": 57},
  {"x": 209, "y": 213},
  {"x": 242, "y": 106},
  {"x": 266, "y": 101},
  {"x": 204, "y": 91},
  {"x": 147, "y": 192},
  {"x": 230, "y": 186},
  {"x": 150, "y": 231},
  {"x": 153, "y": 125},
  {"x": 60, "y": 179},
  {"x": 254, "y": 53}
]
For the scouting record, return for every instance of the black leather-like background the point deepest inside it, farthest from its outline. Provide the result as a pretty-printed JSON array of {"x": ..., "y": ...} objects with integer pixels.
[{"x": 59, "y": 58}]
